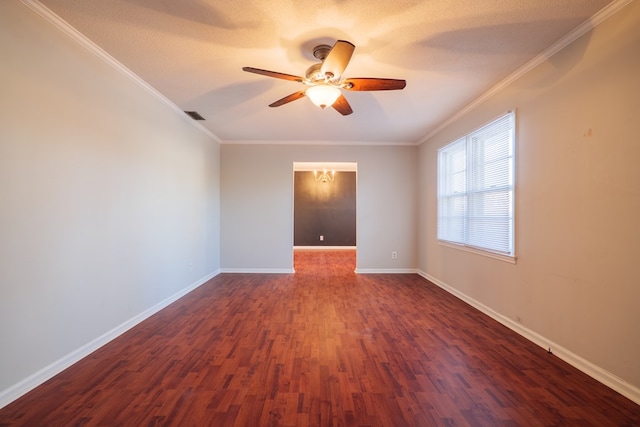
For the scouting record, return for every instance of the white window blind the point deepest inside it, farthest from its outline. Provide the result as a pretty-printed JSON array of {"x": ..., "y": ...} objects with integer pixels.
[{"x": 475, "y": 188}]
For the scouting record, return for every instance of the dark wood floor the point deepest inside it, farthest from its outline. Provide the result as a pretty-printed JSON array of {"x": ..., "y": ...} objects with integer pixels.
[{"x": 322, "y": 347}]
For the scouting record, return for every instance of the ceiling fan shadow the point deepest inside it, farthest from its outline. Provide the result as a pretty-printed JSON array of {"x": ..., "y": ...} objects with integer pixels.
[
  {"x": 231, "y": 98},
  {"x": 450, "y": 51},
  {"x": 196, "y": 11},
  {"x": 563, "y": 62}
]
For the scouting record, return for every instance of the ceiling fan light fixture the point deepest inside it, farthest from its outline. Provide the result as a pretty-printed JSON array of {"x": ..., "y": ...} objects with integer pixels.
[
  {"x": 324, "y": 80},
  {"x": 323, "y": 95}
]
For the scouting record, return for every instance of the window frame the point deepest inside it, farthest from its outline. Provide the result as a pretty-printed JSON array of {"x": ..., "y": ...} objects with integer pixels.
[{"x": 444, "y": 179}]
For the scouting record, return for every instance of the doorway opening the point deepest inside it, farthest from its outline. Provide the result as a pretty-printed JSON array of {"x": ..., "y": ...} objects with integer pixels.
[{"x": 325, "y": 209}]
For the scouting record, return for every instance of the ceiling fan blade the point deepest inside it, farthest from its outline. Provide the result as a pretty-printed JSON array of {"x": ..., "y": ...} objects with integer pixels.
[
  {"x": 370, "y": 83},
  {"x": 288, "y": 98},
  {"x": 273, "y": 74},
  {"x": 337, "y": 59},
  {"x": 342, "y": 106}
]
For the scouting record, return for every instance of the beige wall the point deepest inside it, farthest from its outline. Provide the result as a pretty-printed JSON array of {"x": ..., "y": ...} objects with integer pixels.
[
  {"x": 576, "y": 283},
  {"x": 109, "y": 200},
  {"x": 257, "y": 204}
]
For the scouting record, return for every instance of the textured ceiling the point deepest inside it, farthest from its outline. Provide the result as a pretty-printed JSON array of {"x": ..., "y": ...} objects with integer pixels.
[{"x": 449, "y": 52}]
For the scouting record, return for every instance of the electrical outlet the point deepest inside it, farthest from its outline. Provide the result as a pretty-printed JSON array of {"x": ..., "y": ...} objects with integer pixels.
[
  {"x": 321, "y": 238},
  {"x": 394, "y": 255}
]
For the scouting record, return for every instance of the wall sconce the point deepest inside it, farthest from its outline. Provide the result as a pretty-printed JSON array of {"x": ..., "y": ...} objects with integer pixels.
[{"x": 325, "y": 175}]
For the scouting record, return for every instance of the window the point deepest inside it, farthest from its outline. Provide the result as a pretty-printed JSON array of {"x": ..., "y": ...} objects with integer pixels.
[{"x": 475, "y": 188}]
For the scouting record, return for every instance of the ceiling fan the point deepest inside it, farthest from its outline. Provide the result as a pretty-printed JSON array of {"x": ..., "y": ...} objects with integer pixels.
[{"x": 324, "y": 79}]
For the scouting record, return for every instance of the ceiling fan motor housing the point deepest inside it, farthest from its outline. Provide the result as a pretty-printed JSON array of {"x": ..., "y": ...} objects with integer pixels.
[
  {"x": 321, "y": 51},
  {"x": 314, "y": 73}
]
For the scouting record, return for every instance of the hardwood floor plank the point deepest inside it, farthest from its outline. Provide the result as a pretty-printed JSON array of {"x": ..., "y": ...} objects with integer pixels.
[{"x": 322, "y": 347}]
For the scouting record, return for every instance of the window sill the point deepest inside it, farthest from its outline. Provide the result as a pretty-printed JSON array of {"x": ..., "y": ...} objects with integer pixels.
[{"x": 506, "y": 258}]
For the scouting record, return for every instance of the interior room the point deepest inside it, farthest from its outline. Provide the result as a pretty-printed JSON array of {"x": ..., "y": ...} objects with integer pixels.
[{"x": 148, "y": 155}]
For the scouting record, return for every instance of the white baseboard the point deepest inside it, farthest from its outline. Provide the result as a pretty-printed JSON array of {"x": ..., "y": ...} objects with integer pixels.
[
  {"x": 259, "y": 270},
  {"x": 610, "y": 380},
  {"x": 386, "y": 271},
  {"x": 17, "y": 390},
  {"x": 605, "y": 377},
  {"x": 326, "y": 248}
]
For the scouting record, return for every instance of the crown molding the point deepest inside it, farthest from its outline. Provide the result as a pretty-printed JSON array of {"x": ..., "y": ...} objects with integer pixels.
[
  {"x": 81, "y": 39},
  {"x": 582, "y": 29},
  {"x": 588, "y": 25},
  {"x": 316, "y": 142}
]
